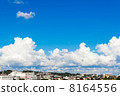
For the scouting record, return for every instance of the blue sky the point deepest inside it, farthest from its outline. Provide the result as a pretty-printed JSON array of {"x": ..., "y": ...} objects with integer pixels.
[{"x": 63, "y": 24}]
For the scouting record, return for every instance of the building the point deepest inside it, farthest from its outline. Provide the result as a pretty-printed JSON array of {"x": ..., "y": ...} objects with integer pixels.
[
  {"x": 5, "y": 77},
  {"x": 21, "y": 75}
]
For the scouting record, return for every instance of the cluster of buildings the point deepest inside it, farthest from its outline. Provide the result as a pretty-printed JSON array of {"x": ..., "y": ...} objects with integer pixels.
[{"x": 16, "y": 75}]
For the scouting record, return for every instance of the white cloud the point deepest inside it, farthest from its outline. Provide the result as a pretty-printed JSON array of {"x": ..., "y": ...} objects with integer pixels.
[
  {"x": 23, "y": 53},
  {"x": 112, "y": 48},
  {"x": 18, "y": 2},
  {"x": 25, "y": 15}
]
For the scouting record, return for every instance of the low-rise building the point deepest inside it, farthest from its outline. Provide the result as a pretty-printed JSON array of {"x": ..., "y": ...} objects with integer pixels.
[
  {"x": 21, "y": 75},
  {"x": 5, "y": 77}
]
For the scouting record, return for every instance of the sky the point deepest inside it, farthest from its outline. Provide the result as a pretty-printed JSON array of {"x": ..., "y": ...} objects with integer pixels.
[{"x": 68, "y": 34}]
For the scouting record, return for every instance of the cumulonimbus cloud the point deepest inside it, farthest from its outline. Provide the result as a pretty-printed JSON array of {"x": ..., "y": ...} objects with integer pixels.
[
  {"x": 25, "y": 15},
  {"x": 23, "y": 53}
]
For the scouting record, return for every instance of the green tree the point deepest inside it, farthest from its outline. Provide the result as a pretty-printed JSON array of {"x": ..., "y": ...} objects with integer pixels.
[{"x": 118, "y": 78}]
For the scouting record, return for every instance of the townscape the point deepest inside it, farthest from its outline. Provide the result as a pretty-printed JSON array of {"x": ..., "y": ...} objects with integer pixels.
[{"x": 36, "y": 75}]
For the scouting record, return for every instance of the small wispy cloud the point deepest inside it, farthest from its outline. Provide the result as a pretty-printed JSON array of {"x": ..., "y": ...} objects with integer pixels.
[
  {"x": 25, "y": 15},
  {"x": 18, "y": 2}
]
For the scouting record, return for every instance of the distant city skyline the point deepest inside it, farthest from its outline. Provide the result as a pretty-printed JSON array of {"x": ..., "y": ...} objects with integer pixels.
[{"x": 64, "y": 35}]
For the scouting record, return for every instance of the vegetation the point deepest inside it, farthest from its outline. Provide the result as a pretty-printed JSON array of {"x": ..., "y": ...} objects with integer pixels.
[
  {"x": 118, "y": 78},
  {"x": 44, "y": 79},
  {"x": 22, "y": 79},
  {"x": 6, "y": 72},
  {"x": 25, "y": 71},
  {"x": 63, "y": 74}
]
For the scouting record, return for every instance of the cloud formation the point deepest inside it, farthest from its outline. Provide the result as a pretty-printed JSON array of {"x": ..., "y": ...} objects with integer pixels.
[
  {"x": 18, "y": 2},
  {"x": 25, "y": 15},
  {"x": 22, "y": 54}
]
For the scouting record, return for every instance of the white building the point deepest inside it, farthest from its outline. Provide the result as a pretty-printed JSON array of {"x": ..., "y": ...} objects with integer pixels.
[
  {"x": 46, "y": 77},
  {"x": 5, "y": 77},
  {"x": 21, "y": 75},
  {"x": 66, "y": 78}
]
